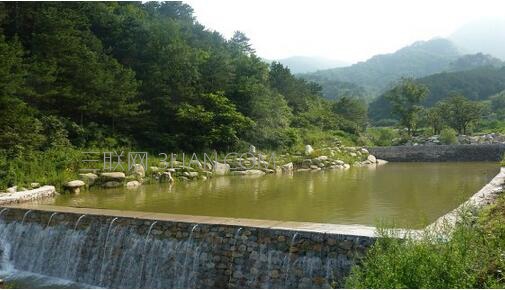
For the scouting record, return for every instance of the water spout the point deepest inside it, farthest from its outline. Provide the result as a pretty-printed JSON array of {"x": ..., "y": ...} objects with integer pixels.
[
  {"x": 232, "y": 255},
  {"x": 105, "y": 248},
  {"x": 25, "y": 215},
  {"x": 78, "y": 221},
  {"x": 51, "y": 218},
  {"x": 144, "y": 254},
  {"x": 293, "y": 239},
  {"x": 186, "y": 250},
  {"x": 3, "y": 210}
]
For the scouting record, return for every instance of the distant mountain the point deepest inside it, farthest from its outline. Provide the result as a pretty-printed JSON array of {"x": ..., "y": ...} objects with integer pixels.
[
  {"x": 471, "y": 61},
  {"x": 376, "y": 74},
  {"x": 307, "y": 64},
  {"x": 476, "y": 84},
  {"x": 486, "y": 36}
]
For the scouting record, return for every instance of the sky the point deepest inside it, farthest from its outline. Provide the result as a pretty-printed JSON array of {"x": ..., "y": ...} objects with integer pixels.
[{"x": 347, "y": 30}]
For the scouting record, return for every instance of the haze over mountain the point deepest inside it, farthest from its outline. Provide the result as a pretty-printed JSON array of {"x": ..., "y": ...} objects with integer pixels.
[
  {"x": 485, "y": 35},
  {"x": 307, "y": 64},
  {"x": 419, "y": 59}
]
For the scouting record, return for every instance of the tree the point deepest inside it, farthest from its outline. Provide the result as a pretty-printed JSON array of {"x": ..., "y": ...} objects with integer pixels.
[
  {"x": 435, "y": 117},
  {"x": 212, "y": 122},
  {"x": 461, "y": 113},
  {"x": 498, "y": 105},
  {"x": 405, "y": 99},
  {"x": 354, "y": 110}
]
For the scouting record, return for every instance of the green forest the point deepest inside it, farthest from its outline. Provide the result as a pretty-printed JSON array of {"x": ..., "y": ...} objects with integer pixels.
[{"x": 148, "y": 75}]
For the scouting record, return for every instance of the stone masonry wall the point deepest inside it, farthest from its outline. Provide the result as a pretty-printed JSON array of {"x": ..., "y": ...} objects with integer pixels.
[
  {"x": 440, "y": 153},
  {"x": 177, "y": 254}
]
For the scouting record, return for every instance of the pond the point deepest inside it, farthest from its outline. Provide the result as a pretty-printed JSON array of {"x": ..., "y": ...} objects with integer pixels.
[{"x": 401, "y": 194}]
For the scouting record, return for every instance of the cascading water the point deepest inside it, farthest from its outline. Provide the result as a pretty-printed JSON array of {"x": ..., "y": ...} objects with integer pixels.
[
  {"x": 78, "y": 221},
  {"x": 136, "y": 254},
  {"x": 51, "y": 218},
  {"x": 25, "y": 215},
  {"x": 293, "y": 239}
]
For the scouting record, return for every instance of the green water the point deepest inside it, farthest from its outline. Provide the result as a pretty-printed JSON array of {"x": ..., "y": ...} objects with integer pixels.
[{"x": 407, "y": 194}]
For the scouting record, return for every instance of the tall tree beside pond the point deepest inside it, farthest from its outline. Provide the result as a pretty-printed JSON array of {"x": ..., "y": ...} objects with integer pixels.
[
  {"x": 406, "y": 98},
  {"x": 461, "y": 113}
]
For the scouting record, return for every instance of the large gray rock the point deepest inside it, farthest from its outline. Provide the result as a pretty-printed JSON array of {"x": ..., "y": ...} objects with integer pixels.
[
  {"x": 287, "y": 168},
  {"x": 111, "y": 184},
  {"x": 252, "y": 149},
  {"x": 113, "y": 176},
  {"x": 372, "y": 158},
  {"x": 74, "y": 186},
  {"x": 133, "y": 184},
  {"x": 12, "y": 189},
  {"x": 139, "y": 171},
  {"x": 221, "y": 168},
  {"x": 34, "y": 185},
  {"x": 308, "y": 149},
  {"x": 88, "y": 178},
  {"x": 248, "y": 172}
]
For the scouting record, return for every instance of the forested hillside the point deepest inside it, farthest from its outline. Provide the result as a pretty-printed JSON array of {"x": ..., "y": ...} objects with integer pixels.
[
  {"x": 105, "y": 74},
  {"x": 376, "y": 74},
  {"x": 476, "y": 84}
]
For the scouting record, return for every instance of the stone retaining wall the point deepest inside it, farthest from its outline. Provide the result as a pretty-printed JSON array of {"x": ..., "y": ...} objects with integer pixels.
[
  {"x": 440, "y": 153},
  {"x": 27, "y": 195},
  {"x": 210, "y": 252}
]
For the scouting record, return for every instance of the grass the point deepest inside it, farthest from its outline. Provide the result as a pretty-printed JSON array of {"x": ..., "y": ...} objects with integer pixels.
[{"x": 474, "y": 257}]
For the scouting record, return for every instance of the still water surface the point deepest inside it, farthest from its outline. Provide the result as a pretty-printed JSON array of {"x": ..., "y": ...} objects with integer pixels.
[{"x": 404, "y": 194}]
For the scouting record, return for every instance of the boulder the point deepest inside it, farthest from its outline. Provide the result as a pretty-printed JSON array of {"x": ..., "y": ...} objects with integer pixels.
[
  {"x": 138, "y": 171},
  {"x": 133, "y": 184},
  {"x": 167, "y": 176},
  {"x": 339, "y": 162},
  {"x": 88, "y": 178},
  {"x": 287, "y": 168},
  {"x": 221, "y": 168},
  {"x": 308, "y": 149},
  {"x": 252, "y": 149},
  {"x": 314, "y": 167},
  {"x": 321, "y": 158},
  {"x": 74, "y": 186},
  {"x": 364, "y": 151},
  {"x": 372, "y": 158},
  {"x": 353, "y": 154},
  {"x": 248, "y": 172},
  {"x": 346, "y": 166},
  {"x": 12, "y": 189},
  {"x": 34, "y": 185},
  {"x": 111, "y": 184},
  {"x": 381, "y": 162},
  {"x": 190, "y": 174},
  {"x": 112, "y": 176}
]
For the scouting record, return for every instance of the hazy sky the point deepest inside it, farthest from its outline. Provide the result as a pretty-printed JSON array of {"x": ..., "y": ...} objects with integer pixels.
[{"x": 339, "y": 29}]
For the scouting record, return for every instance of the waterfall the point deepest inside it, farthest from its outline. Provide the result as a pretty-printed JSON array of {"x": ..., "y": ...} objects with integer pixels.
[
  {"x": 139, "y": 254},
  {"x": 51, "y": 218}
]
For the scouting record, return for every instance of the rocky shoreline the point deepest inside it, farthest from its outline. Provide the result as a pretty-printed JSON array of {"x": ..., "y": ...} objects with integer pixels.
[{"x": 313, "y": 160}]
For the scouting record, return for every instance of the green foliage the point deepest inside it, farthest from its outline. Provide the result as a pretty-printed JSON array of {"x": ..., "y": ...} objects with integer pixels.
[
  {"x": 382, "y": 136},
  {"x": 54, "y": 166},
  {"x": 448, "y": 136},
  {"x": 471, "y": 258},
  {"x": 461, "y": 113},
  {"x": 476, "y": 84},
  {"x": 405, "y": 99}
]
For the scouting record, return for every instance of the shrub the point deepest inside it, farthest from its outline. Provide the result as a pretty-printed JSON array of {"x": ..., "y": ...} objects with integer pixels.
[
  {"x": 382, "y": 136},
  {"x": 471, "y": 258},
  {"x": 448, "y": 136}
]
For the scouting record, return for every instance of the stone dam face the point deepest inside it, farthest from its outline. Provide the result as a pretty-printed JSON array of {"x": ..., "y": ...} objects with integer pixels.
[
  {"x": 440, "y": 153},
  {"x": 131, "y": 252}
]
